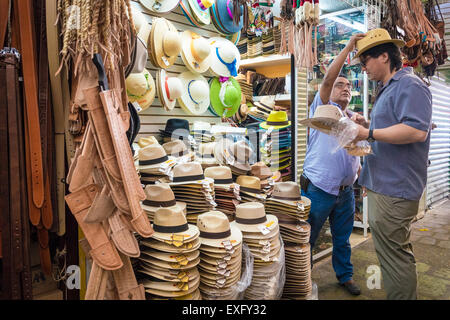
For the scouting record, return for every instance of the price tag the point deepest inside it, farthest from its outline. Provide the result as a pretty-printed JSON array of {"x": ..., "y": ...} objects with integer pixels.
[
  {"x": 300, "y": 228},
  {"x": 300, "y": 206},
  {"x": 137, "y": 106},
  {"x": 236, "y": 191},
  {"x": 213, "y": 203},
  {"x": 224, "y": 272},
  {"x": 264, "y": 230},
  {"x": 222, "y": 265},
  {"x": 166, "y": 62}
]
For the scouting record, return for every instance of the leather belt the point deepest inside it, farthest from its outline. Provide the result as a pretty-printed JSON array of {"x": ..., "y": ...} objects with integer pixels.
[{"x": 342, "y": 188}]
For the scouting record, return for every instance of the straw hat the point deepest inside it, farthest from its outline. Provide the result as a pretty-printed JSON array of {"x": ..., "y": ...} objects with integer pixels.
[
  {"x": 325, "y": 118},
  {"x": 215, "y": 230},
  {"x": 171, "y": 276},
  {"x": 177, "y": 149},
  {"x": 277, "y": 120},
  {"x": 178, "y": 290},
  {"x": 251, "y": 217},
  {"x": 170, "y": 222},
  {"x": 139, "y": 55},
  {"x": 221, "y": 174},
  {"x": 205, "y": 154},
  {"x": 288, "y": 193},
  {"x": 169, "y": 89},
  {"x": 199, "y": 10},
  {"x": 146, "y": 141},
  {"x": 225, "y": 97},
  {"x": 160, "y": 195},
  {"x": 184, "y": 247},
  {"x": 267, "y": 104},
  {"x": 141, "y": 89},
  {"x": 195, "y": 97},
  {"x": 151, "y": 157},
  {"x": 196, "y": 52},
  {"x": 250, "y": 185},
  {"x": 188, "y": 173},
  {"x": 160, "y": 6},
  {"x": 241, "y": 151},
  {"x": 374, "y": 38},
  {"x": 166, "y": 43},
  {"x": 226, "y": 57}
]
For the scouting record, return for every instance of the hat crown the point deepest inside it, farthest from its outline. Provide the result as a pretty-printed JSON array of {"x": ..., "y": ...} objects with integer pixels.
[
  {"x": 268, "y": 101},
  {"x": 199, "y": 90},
  {"x": 213, "y": 221},
  {"x": 202, "y": 48},
  {"x": 277, "y": 116},
  {"x": 174, "y": 147},
  {"x": 146, "y": 141},
  {"x": 372, "y": 36},
  {"x": 241, "y": 151},
  {"x": 175, "y": 124},
  {"x": 232, "y": 95},
  {"x": 187, "y": 169},
  {"x": 207, "y": 148},
  {"x": 250, "y": 210},
  {"x": 159, "y": 192},
  {"x": 261, "y": 170},
  {"x": 328, "y": 111},
  {"x": 172, "y": 43},
  {"x": 151, "y": 152},
  {"x": 169, "y": 217},
  {"x": 249, "y": 182},
  {"x": 227, "y": 53},
  {"x": 288, "y": 189},
  {"x": 219, "y": 172},
  {"x": 138, "y": 84},
  {"x": 175, "y": 87}
]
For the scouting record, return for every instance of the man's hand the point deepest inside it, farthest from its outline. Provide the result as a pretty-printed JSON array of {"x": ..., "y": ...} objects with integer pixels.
[
  {"x": 352, "y": 42},
  {"x": 363, "y": 134},
  {"x": 359, "y": 119},
  {"x": 364, "y": 192}
]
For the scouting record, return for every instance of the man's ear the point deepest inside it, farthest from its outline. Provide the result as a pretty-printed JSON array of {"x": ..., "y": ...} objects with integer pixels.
[{"x": 385, "y": 57}]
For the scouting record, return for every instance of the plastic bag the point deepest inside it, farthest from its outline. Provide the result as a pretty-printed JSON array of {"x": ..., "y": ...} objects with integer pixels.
[{"x": 345, "y": 132}]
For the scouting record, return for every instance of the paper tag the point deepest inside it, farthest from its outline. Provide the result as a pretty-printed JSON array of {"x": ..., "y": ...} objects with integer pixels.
[
  {"x": 265, "y": 249},
  {"x": 222, "y": 265},
  {"x": 224, "y": 272},
  {"x": 182, "y": 286},
  {"x": 264, "y": 230},
  {"x": 268, "y": 225},
  {"x": 228, "y": 246},
  {"x": 269, "y": 131},
  {"x": 271, "y": 181},
  {"x": 237, "y": 191},
  {"x": 182, "y": 260},
  {"x": 299, "y": 227},
  {"x": 227, "y": 257},
  {"x": 174, "y": 265},
  {"x": 137, "y": 106},
  {"x": 166, "y": 62},
  {"x": 221, "y": 281},
  {"x": 213, "y": 203},
  {"x": 300, "y": 206}
]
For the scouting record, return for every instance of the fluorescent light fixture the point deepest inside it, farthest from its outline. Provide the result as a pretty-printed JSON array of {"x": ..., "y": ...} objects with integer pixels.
[{"x": 352, "y": 24}]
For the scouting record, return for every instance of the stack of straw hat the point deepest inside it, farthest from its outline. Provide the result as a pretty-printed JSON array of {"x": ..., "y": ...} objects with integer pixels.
[
  {"x": 265, "y": 175},
  {"x": 160, "y": 196},
  {"x": 250, "y": 190},
  {"x": 236, "y": 155},
  {"x": 153, "y": 164}
]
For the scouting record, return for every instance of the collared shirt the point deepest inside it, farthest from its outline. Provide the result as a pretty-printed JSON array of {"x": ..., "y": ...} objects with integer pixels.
[
  {"x": 399, "y": 170},
  {"x": 326, "y": 170}
]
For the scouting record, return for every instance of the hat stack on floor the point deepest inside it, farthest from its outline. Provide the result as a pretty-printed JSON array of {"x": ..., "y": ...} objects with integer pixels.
[
  {"x": 236, "y": 155},
  {"x": 205, "y": 155},
  {"x": 276, "y": 143},
  {"x": 153, "y": 163},
  {"x": 160, "y": 196},
  {"x": 261, "y": 233},
  {"x": 292, "y": 211},
  {"x": 220, "y": 256},
  {"x": 179, "y": 151},
  {"x": 224, "y": 187},
  {"x": 265, "y": 175},
  {"x": 169, "y": 259},
  {"x": 250, "y": 190},
  {"x": 190, "y": 185}
]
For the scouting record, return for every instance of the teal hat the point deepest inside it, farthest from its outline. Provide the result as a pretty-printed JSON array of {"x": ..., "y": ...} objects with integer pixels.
[{"x": 225, "y": 97}]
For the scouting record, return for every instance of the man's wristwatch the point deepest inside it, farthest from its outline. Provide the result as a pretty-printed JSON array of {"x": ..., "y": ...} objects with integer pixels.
[{"x": 371, "y": 138}]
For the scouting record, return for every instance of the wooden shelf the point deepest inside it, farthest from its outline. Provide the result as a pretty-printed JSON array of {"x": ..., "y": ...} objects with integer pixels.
[
  {"x": 278, "y": 97},
  {"x": 265, "y": 61}
]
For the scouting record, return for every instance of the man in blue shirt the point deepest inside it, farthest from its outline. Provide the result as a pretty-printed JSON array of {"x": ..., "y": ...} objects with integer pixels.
[
  {"x": 395, "y": 174},
  {"x": 328, "y": 177}
]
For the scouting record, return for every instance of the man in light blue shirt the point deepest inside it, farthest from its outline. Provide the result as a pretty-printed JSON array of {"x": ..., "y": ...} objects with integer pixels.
[{"x": 328, "y": 177}]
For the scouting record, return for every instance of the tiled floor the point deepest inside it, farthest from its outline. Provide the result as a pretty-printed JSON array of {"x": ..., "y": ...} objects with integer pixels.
[{"x": 431, "y": 243}]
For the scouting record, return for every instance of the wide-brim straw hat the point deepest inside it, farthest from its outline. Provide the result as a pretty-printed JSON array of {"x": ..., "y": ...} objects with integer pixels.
[
  {"x": 141, "y": 89},
  {"x": 199, "y": 14},
  {"x": 168, "y": 87},
  {"x": 184, "y": 276},
  {"x": 170, "y": 257},
  {"x": 196, "y": 52},
  {"x": 218, "y": 68},
  {"x": 171, "y": 224},
  {"x": 375, "y": 38},
  {"x": 216, "y": 230},
  {"x": 325, "y": 118},
  {"x": 195, "y": 98},
  {"x": 176, "y": 292},
  {"x": 160, "y": 6},
  {"x": 221, "y": 175},
  {"x": 161, "y": 42},
  {"x": 251, "y": 217},
  {"x": 187, "y": 246}
]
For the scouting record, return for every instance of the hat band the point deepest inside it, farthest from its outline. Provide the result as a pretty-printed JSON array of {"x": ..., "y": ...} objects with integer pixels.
[
  {"x": 277, "y": 123},
  {"x": 167, "y": 89},
  {"x": 215, "y": 235},
  {"x": 189, "y": 178},
  {"x": 230, "y": 66},
  {"x": 153, "y": 161},
  {"x": 189, "y": 91},
  {"x": 193, "y": 51},
  {"x": 147, "y": 182},
  {"x": 171, "y": 229},
  {"x": 146, "y": 175},
  {"x": 180, "y": 154},
  {"x": 223, "y": 181},
  {"x": 152, "y": 203},
  {"x": 287, "y": 198},
  {"x": 252, "y": 190},
  {"x": 251, "y": 221}
]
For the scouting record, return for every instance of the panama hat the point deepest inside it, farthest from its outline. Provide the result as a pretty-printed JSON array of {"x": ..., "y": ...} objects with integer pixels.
[
  {"x": 225, "y": 57},
  {"x": 160, "y": 195},
  {"x": 170, "y": 275},
  {"x": 171, "y": 222},
  {"x": 224, "y": 11},
  {"x": 199, "y": 10},
  {"x": 277, "y": 120},
  {"x": 205, "y": 154},
  {"x": 374, "y": 38},
  {"x": 188, "y": 173},
  {"x": 221, "y": 174},
  {"x": 251, "y": 217},
  {"x": 166, "y": 43},
  {"x": 151, "y": 157},
  {"x": 177, "y": 149},
  {"x": 160, "y": 6},
  {"x": 141, "y": 89},
  {"x": 169, "y": 89},
  {"x": 177, "y": 290},
  {"x": 250, "y": 185},
  {"x": 196, "y": 52},
  {"x": 225, "y": 97},
  {"x": 288, "y": 192},
  {"x": 195, "y": 97},
  {"x": 215, "y": 230},
  {"x": 146, "y": 141},
  {"x": 267, "y": 104},
  {"x": 325, "y": 118},
  {"x": 186, "y": 246},
  {"x": 263, "y": 172},
  {"x": 183, "y": 258}
]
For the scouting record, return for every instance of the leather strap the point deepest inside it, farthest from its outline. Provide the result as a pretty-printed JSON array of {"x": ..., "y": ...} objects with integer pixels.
[
  {"x": 122, "y": 237},
  {"x": 4, "y": 12},
  {"x": 126, "y": 282},
  {"x": 98, "y": 278},
  {"x": 30, "y": 84}
]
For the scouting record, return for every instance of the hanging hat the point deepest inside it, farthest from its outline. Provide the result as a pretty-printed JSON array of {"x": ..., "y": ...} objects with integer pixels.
[
  {"x": 166, "y": 43},
  {"x": 277, "y": 120},
  {"x": 215, "y": 230},
  {"x": 221, "y": 174},
  {"x": 151, "y": 157},
  {"x": 169, "y": 89},
  {"x": 160, "y": 6},
  {"x": 160, "y": 195},
  {"x": 186, "y": 9},
  {"x": 141, "y": 89},
  {"x": 196, "y": 52},
  {"x": 225, "y": 97},
  {"x": 251, "y": 217},
  {"x": 225, "y": 57},
  {"x": 325, "y": 118},
  {"x": 139, "y": 54},
  {"x": 224, "y": 11},
  {"x": 195, "y": 97},
  {"x": 171, "y": 222},
  {"x": 374, "y": 38},
  {"x": 200, "y": 10}
]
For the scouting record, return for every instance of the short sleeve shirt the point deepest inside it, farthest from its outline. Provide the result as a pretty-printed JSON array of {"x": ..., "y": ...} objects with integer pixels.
[
  {"x": 399, "y": 170},
  {"x": 325, "y": 169}
]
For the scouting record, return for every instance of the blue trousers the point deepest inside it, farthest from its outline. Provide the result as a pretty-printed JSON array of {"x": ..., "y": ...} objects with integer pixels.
[{"x": 340, "y": 211}]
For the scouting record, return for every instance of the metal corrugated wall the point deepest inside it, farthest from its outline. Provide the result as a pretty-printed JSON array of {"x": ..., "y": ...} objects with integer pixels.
[{"x": 438, "y": 183}]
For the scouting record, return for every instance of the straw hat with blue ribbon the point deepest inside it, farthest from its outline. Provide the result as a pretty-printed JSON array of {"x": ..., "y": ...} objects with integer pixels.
[
  {"x": 195, "y": 97},
  {"x": 225, "y": 57}
]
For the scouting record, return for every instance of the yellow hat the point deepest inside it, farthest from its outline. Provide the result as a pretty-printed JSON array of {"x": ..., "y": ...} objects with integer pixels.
[
  {"x": 141, "y": 88},
  {"x": 374, "y": 38},
  {"x": 277, "y": 120}
]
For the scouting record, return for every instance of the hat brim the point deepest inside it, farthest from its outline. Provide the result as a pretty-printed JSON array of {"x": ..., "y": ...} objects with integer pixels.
[
  {"x": 173, "y": 294},
  {"x": 146, "y": 100},
  {"x": 154, "y": 166},
  {"x": 221, "y": 8},
  {"x": 186, "y": 54},
  {"x": 159, "y": 28},
  {"x": 161, "y": 81},
  {"x": 399, "y": 43},
  {"x": 165, "y": 6},
  {"x": 235, "y": 238},
  {"x": 196, "y": 182},
  {"x": 317, "y": 124},
  {"x": 170, "y": 257},
  {"x": 187, "y": 235},
  {"x": 264, "y": 125},
  {"x": 202, "y": 16},
  {"x": 179, "y": 205},
  {"x": 271, "y": 224}
]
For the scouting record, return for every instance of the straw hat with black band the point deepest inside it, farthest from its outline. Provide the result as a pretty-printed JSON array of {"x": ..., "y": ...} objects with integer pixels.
[{"x": 277, "y": 120}]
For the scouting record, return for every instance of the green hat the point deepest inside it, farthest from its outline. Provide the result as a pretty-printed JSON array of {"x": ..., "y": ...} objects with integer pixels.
[{"x": 231, "y": 97}]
